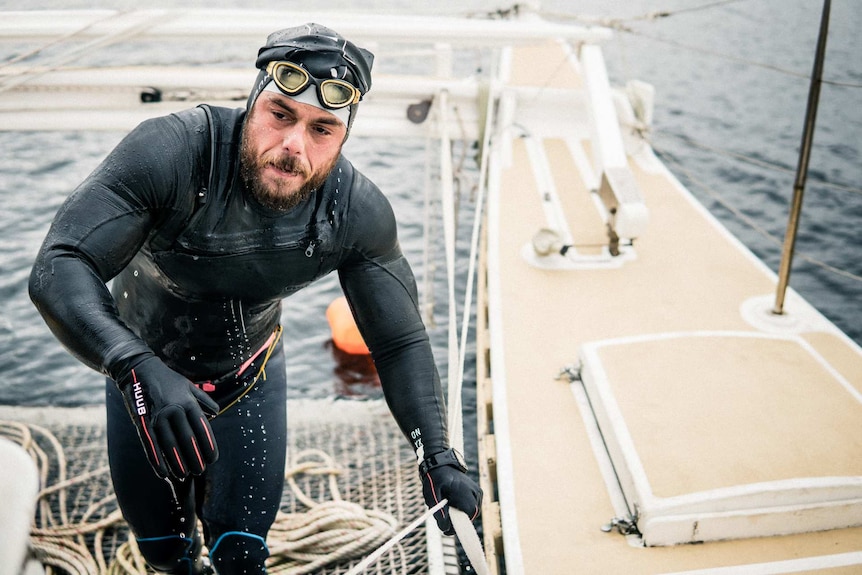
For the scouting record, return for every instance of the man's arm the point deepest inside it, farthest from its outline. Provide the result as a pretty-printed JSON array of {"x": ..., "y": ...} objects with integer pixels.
[
  {"x": 94, "y": 236},
  {"x": 380, "y": 287},
  {"x": 381, "y": 290}
]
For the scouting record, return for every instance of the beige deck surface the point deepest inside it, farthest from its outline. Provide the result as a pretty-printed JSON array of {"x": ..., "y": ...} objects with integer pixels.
[
  {"x": 713, "y": 412},
  {"x": 589, "y": 232},
  {"x": 686, "y": 277}
]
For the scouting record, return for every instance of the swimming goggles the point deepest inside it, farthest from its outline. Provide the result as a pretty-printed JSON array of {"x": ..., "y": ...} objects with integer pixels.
[{"x": 292, "y": 79}]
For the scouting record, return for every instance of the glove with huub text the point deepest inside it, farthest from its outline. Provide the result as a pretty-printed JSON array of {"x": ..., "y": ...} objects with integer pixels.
[
  {"x": 444, "y": 476},
  {"x": 170, "y": 414}
]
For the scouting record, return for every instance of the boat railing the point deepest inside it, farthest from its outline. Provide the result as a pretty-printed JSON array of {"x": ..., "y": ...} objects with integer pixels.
[
  {"x": 254, "y": 25},
  {"x": 626, "y": 211},
  {"x": 57, "y": 76}
]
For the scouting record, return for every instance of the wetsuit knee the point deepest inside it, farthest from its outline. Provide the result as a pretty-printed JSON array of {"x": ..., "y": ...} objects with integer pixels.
[
  {"x": 237, "y": 552},
  {"x": 173, "y": 554}
]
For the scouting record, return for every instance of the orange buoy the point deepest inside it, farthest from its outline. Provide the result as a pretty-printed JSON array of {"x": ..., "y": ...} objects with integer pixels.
[{"x": 345, "y": 334}]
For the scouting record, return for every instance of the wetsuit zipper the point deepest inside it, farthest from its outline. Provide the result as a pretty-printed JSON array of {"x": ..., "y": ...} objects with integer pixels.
[{"x": 310, "y": 246}]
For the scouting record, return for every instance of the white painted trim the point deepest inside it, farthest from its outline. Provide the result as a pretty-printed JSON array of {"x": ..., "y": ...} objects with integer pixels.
[
  {"x": 547, "y": 189},
  {"x": 779, "y": 567},
  {"x": 589, "y": 177},
  {"x": 606, "y": 467},
  {"x": 608, "y": 149},
  {"x": 505, "y": 467},
  {"x": 254, "y": 26}
]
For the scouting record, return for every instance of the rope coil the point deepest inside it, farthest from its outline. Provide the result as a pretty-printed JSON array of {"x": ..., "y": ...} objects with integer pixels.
[{"x": 329, "y": 531}]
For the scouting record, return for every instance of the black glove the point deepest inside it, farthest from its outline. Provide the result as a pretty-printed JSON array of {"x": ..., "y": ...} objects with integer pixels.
[
  {"x": 444, "y": 476},
  {"x": 166, "y": 409}
]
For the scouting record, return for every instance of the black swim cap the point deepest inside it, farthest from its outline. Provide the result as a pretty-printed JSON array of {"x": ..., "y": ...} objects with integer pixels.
[{"x": 320, "y": 50}]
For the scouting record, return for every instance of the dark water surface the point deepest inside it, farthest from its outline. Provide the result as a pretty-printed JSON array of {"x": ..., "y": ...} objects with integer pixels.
[{"x": 732, "y": 78}]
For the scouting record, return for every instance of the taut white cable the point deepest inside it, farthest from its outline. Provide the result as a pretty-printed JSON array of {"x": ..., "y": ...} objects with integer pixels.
[{"x": 371, "y": 558}]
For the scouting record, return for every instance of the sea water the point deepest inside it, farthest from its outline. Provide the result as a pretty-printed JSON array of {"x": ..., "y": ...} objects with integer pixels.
[{"x": 731, "y": 86}]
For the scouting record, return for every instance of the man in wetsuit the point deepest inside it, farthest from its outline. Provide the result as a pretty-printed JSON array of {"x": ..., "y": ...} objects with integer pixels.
[{"x": 205, "y": 220}]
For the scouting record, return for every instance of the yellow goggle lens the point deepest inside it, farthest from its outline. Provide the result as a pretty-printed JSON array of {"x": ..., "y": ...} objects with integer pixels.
[{"x": 293, "y": 79}]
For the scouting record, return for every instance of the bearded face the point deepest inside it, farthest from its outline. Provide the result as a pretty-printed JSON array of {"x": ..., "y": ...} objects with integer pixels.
[
  {"x": 274, "y": 193},
  {"x": 281, "y": 176}
]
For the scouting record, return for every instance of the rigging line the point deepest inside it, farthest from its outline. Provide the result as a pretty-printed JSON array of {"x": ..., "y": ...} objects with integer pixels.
[
  {"x": 716, "y": 54},
  {"x": 552, "y": 77},
  {"x": 749, "y": 160},
  {"x": 710, "y": 5},
  {"x": 749, "y": 221},
  {"x": 55, "y": 41},
  {"x": 477, "y": 216},
  {"x": 841, "y": 83},
  {"x": 654, "y": 15},
  {"x": 732, "y": 58},
  {"x": 419, "y": 521},
  {"x": 449, "y": 224},
  {"x": 620, "y": 24},
  {"x": 125, "y": 34}
]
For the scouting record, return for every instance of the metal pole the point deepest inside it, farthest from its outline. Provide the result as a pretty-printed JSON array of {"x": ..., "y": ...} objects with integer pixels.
[{"x": 802, "y": 166}]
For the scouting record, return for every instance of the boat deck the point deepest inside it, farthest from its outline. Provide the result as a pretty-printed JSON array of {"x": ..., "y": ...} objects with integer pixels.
[{"x": 706, "y": 402}]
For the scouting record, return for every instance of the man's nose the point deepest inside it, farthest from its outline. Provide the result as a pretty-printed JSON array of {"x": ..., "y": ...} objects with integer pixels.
[{"x": 293, "y": 139}]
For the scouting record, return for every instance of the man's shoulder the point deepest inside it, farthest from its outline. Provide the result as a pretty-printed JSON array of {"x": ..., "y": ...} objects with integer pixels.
[
  {"x": 368, "y": 213},
  {"x": 360, "y": 185},
  {"x": 191, "y": 120},
  {"x": 220, "y": 113},
  {"x": 192, "y": 131},
  {"x": 194, "y": 120}
]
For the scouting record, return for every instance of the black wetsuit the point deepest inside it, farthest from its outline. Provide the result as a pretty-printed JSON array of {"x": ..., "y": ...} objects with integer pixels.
[{"x": 199, "y": 271}]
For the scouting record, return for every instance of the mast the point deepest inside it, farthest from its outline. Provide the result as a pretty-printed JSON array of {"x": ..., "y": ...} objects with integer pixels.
[{"x": 802, "y": 165}]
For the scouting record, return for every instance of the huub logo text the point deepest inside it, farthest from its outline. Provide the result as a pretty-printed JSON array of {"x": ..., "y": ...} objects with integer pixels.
[{"x": 140, "y": 406}]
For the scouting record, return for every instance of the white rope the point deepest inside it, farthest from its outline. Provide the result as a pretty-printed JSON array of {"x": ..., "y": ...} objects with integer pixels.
[
  {"x": 463, "y": 526},
  {"x": 456, "y": 430},
  {"x": 370, "y": 559},
  {"x": 477, "y": 224},
  {"x": 469, "y": 540},
  {"x": 54, "y": 540},
  {"x": 330, "y": 531}
]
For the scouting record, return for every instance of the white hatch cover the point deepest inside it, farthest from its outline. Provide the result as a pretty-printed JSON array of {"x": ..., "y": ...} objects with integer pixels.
[{"x": 727, "y": 435}]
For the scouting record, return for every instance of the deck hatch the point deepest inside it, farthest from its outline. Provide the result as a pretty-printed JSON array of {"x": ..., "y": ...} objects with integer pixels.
[{"x": 718, "y": 435}]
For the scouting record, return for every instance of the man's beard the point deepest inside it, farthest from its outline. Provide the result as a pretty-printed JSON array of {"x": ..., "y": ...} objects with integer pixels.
[{"x": 277, "y": 196}]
